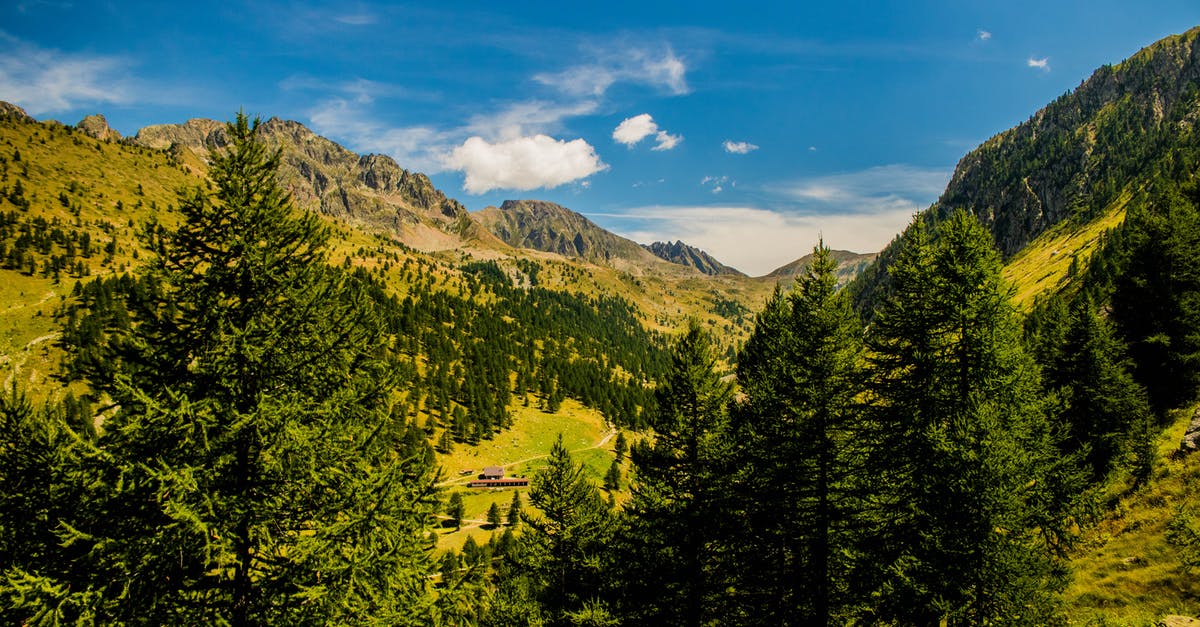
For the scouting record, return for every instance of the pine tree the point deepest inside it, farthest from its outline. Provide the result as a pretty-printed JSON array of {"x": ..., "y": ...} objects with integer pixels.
[
  {"x": 493, "y": 516},
  {"x": 455, "y": 509},
  {"x": 800, "y": 374},
  {"x": 1156, "y": 298},
  {"x": 567, "y": 540},
  {"x": 612, "y": 478},
  {"x": 962, "y": 454},
  {"x": 514, "y": 510},
  {"x": 671, "y": 540},
  {"x": 251, "y": 474}
]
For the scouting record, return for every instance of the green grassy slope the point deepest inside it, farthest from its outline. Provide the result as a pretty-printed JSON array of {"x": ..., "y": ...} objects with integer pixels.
[{"x": 1125, "y": 571}]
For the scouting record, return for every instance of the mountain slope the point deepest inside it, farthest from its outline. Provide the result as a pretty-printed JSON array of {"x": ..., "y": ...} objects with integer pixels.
[
  {"x": 690, "y": 256},
  {"x": 553, "y": 228},
  {"x": 372, "y": 190},
  {"x": 849, "y": 266},
  {"x": 1124, "y": 127}
]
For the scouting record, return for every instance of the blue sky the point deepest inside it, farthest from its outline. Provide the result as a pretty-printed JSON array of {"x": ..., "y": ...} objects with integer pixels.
[{"x": 748, "y": 129}]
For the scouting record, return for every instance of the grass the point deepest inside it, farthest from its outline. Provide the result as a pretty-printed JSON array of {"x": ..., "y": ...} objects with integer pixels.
[
  {"x": 1043, "y": 265},
  {"x": 522, "y": 450},
  {"x": 1126, "y": 573}
]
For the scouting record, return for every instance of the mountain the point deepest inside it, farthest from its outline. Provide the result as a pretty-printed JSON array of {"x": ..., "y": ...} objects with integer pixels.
[
  {"x": 849, "y": 265},
  {"x": 1087, "y": 154},
  {"x": 372, "y": 190},
  {"x": 553, "y": 228},
  {"x": 690, "y": 256}
]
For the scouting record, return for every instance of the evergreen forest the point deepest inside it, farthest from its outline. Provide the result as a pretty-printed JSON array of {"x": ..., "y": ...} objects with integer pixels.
[{"x": 259, "y": 415}]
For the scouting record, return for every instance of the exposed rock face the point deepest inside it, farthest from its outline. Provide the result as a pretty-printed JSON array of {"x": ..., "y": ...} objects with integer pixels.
[
  {"x": 1077, "y": 152},
  {"x": 97, "y": 126},
  {"x": 1121, "y": 129},
  {"x": 552, "y": 228},
  {"x": 198, "y": 134},
  {"x": 324, "y": 176},
  {"x": 690, "y": 256},
  {"x": 1191, "y": 437},
  {"x": 849, "y": 265},
  {"x": 9, "y": 110}
]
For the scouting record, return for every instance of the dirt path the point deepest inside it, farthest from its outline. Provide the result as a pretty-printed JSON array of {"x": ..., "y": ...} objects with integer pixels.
[
  {"x": 46, "y": 297},
  {"x": 465, "y": 480},
  {"x": 18, "y": 363}
]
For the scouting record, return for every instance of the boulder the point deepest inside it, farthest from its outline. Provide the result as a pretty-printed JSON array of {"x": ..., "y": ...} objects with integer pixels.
[{"x": 1191, "y": 438}]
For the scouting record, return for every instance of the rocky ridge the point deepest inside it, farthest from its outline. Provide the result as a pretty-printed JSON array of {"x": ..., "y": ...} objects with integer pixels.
[
  {"x": 96, "y": 126},
  {"x": 553, "y": 228},
  {"x": 690, "y": 256},
  {"x": 324, "y": 176},
  {"x": 849, "y": 265}
]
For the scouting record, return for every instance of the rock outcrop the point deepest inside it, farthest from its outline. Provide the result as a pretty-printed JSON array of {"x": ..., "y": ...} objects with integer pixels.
[
  {"x": 10, "y": 110},
  {"x": 96, "y": 126},
  {"x": 324, "y": 176},
  {"x": 849, "y": 266},
  {"x": 692, "y": 257},
  {"x": 1191, "y": 438},
  {"x": 553, "y": 228}
]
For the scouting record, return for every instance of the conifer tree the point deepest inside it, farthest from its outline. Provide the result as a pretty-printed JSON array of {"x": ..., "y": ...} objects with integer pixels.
[
  {"x": 514, "y": 510},
  {"x": 251, "y": 473},
  {"x": 565, "y": 543},
  {"x": 800, "y": 374},
  {"x": 672, "y": 538},
  {"x": 493, "y": 516},
  {"x": 455, "y": 509},
  {"x": 962, "y": 454}
]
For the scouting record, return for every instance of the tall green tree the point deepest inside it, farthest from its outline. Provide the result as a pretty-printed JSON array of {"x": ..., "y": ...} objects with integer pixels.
[
  {"x": 1108, "y": 413},
  {"x": 671, "y": 561},
  {"x": 1156, "y": 297},
  {"x": 801, "y": 376},
  {"x": 251, "y": 472},
  {"x": 566, "y": 537},
  {"x": 963, "y": 458}
]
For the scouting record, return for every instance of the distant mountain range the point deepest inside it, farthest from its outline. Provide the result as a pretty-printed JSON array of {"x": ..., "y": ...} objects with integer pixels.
[{"x": 690, "y": 256}]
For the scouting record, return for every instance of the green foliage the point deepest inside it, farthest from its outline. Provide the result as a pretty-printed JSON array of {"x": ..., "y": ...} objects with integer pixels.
[
  {"x": 1184, "y": 534},
  {"x": 801, "y": 376},
  {"x": 971, "y": 489},
  {"x": 493, "y": 515},
  {"x": 670, "y": 558},
  {"x": 252, "y": 472},
  {"x": 565, "y": 542},
  {"x": 455, "y": 509},
  {"x": 1156, "y": 296}
]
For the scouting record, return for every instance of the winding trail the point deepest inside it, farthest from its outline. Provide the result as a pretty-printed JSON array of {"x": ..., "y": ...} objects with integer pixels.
[{"x": 18, "y": 363}]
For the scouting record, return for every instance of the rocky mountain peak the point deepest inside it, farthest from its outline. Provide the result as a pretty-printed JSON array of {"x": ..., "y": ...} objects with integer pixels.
[
  {"x": 690, "y": 256},
  {"x": 549, "y": 227},
  {"x": 10, "y": 110},
  {"x": 96, "y": 126}
]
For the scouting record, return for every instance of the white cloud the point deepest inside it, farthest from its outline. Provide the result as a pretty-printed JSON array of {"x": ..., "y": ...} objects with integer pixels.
[
  {"x": 355, "y": 19},
  {"x": 879, "y": 188},
  {"x": 419, "y": 148},
  {"x": 984, "y": 35},
  {"x": 526, "y": 118},
  {"x": 860, "y": 211},
  {"x": 1041, "y": 64},
  {"x": 523, "y": 163},
  {"x": 757, "y": 240},
  {"x": 633, "y": 130},
  {"x": 620, "y": 64},
  {"x": 717, "y": 183},
  {"x": 44, "y": 80},
  {"x": 666, "y": 141},
  {"x": 346, "y": 117},
  {"x": 738, "y": 148}
]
